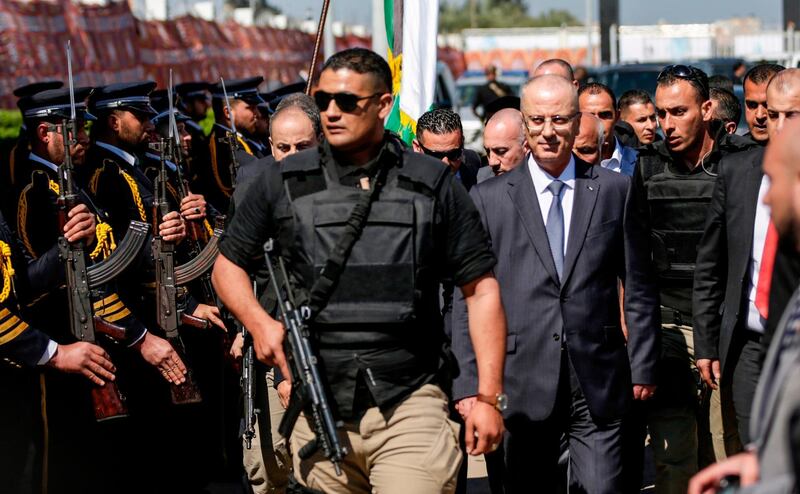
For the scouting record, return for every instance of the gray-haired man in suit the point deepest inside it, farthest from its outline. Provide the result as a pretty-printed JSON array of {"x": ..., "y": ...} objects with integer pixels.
[
  {"x": 768, "y": 464},
  {"x": 562, "y": 236}
]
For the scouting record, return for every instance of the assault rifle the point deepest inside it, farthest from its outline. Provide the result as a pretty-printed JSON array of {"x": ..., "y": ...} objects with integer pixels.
[
  {"x": 195, "y": 235},
  {"x": 248, "y": 383},
  {"x": 231, "y": 137},
  {"x": 308, "y": 392},
  {"x": 169, "y": 277},
  {"x": 107, "y": 401}
]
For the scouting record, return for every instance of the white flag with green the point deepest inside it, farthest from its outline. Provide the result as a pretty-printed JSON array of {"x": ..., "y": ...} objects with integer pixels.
[{"x": 411, "y": 27}]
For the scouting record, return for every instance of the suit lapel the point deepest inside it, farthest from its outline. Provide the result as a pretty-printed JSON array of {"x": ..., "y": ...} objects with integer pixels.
[
  {"x": 770, "y": 383},
  {"x": 523, "y": 195},
  {"x": 752, "y": 185},
  {"x": 586, "y": 191}
]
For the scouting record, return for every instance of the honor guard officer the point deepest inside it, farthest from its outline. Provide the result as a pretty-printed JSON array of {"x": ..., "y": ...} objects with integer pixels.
[
  {"x": 15, "y": 149},
  {"x": 379, "y": 337},
  {"x": 37, "y": 216},
  {"x": 217, "y": 182},
  {"x": 24, "y": 347},
  {"x": 194, "y": 101}
]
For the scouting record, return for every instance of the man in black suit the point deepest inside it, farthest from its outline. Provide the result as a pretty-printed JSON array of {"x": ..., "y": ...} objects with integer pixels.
[
  {"x": 559, "y": 229},
  {"x": 440, "y": 134},
  {"x": 732, "y": 263}
]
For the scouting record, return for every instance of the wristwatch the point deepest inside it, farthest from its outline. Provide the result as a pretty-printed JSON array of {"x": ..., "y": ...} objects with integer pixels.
[{"x": 499, "y": 401}]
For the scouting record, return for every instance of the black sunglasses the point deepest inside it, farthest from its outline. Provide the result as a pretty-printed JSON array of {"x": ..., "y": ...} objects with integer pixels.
[
  {"x": 454, "y": 154},
  {"x": 347, "y": 102},
  {"x": 687, "y": 73}
]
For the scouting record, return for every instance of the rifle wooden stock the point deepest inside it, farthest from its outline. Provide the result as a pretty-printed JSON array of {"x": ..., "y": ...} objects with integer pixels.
[
  {"x": 186, "y": 393},
  {"x": 117, "y": 333},
  {"x": 195, "y": 322},
  {"x": 107, "y": 402}
]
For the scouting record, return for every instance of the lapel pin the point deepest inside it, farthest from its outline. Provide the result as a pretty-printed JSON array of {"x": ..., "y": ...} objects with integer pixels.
[{"x": 590, "y": 187}]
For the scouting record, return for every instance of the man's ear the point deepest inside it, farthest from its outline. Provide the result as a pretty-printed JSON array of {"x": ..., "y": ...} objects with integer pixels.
[
  {"x": 43, "y": 132},
  {"x": 385, "y": 103},
  {"x": 730, "y": 127},
  {"x": 707, "y": 110},
  {"x": 114, "y": 122},
  {"x": 416, "y": 146}
]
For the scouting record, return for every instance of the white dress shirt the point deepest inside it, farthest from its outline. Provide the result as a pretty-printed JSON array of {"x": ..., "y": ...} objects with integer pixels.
[
  {"x": 541, "y": 179},
  {"x": 622, "y": 160},
  {"x": 754, "y": 320}
]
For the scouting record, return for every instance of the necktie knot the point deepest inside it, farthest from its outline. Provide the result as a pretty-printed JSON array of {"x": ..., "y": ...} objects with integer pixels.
[{"x": 555, "y": 188}]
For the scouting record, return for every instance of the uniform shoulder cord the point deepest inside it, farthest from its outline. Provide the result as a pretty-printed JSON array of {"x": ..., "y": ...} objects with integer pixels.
[{"x": 8, "y": 271}]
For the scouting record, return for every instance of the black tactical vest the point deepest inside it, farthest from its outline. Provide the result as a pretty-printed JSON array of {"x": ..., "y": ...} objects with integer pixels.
[
  {"x": 391, "y": 275},
  {"x": 678, "y": 205}
]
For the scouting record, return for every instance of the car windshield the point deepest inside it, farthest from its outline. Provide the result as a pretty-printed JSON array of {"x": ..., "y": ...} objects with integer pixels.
[{"x": 623, "y": 80}]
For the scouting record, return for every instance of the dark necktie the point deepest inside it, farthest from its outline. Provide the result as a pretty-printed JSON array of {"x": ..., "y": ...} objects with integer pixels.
[{"x": 555, "y": 226}]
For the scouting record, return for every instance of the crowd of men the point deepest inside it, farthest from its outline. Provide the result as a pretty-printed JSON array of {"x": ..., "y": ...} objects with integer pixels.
[{"x": 626, "y": 272}]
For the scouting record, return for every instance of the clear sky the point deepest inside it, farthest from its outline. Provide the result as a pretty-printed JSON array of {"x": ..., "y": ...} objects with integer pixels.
[{"x": 631, "y": 11}]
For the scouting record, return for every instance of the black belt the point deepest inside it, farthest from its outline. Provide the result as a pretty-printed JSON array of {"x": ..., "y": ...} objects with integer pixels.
[
  {"x": 674, "y": 316},
  {"x": 750, "y": 335}
]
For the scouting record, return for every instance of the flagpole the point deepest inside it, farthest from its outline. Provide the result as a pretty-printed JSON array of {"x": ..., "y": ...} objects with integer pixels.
[
  {"x": 380, "y": 45},
  {"x": 320, "y": 29}
]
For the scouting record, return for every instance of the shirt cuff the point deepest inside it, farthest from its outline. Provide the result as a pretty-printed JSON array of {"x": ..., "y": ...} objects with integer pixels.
[
  {"x": 137, "y": 340},
  {"x": 52, "y": 346}
]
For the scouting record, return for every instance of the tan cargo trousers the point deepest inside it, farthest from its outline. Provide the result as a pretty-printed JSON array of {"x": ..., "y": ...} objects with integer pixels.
[
  {"x": 412, "y": 447},
  {"x": 267, "y": 466}
]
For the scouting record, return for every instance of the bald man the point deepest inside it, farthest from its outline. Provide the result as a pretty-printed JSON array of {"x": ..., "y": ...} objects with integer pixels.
[
  {"x": 504, "y": 142},
  {"x": 769, "y": 465},
  {"x": 589, "y": 143},
  {"x": 730, "y": 318},
  {"x": 556, "y": 66},
  {"x": 568, "y": 368}
]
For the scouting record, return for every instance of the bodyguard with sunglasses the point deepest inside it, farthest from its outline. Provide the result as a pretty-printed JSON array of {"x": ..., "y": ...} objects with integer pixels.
[
  {"x": 380, "y": 336},
  {"x": 672, "y": 188}
]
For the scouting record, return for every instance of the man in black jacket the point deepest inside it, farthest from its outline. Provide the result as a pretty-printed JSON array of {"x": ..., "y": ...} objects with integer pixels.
[
  {"x": 733, "y": 259},
  {"x": 440, "y": 135}
]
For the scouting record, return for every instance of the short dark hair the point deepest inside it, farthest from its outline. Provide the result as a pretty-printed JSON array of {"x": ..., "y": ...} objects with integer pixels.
[
  {"x": 633, "y": 97},
  {"x": 562, "y": 63},
  {"x": 720, "y": 81},
  {"x": 762, "y": 72},
  {"x": 303, "y": 103},
  {"x": 598, "y": 88},
  {"x": 439, "y": 121},
  {"x": 738, "y": 64},
  {"x": 728, "y": 107},
  {"x": 699, "y": 81},
  {"x": 362, "y": 61}
]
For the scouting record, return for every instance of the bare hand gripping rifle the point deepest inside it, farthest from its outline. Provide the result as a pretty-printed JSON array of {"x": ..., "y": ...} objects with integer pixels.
[
  {"x": 81, "y": 280},
  {"x": 308, "y": 393}
]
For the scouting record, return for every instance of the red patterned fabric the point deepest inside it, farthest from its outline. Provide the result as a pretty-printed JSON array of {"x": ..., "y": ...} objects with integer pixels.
[{"x": 110, "y": 45}]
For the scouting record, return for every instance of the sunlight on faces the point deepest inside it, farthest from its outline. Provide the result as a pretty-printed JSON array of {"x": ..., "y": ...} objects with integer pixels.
[
  {"x": 292, "y": 132},
  {"x": 782, "y": 106},
  {"x": 442, "y": 143},
  {"x": 682, "y": 116},
  {"x": 246, "y": 116},
  {"x": 602, "y": 107},
  {"x": 504, "y": 140},
  {"x": 642, "y": 117},
  {"x": 133, "y": 129},
  {"x": 549, "y": 96},
  {"x": 755, "y": 109},
  {"x": 782, "y": 166},
  {"x": 351, "y": 132},
  {"x": 587, "y": 144},
  {"x": 54, "y": 142}
]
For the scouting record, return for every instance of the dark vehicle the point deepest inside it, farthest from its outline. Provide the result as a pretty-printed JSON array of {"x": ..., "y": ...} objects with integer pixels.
[{"x": 621, "y": 78}]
